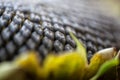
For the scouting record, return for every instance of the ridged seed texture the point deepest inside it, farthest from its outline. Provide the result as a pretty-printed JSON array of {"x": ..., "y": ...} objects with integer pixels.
[{"x": 23, "y": 30}]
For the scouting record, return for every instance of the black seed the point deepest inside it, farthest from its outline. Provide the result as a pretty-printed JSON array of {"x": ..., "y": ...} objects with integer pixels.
[
  {"x": 58, "y": 46},
  {"x": 99, "y": 41},
  {"x": 45, "y": 18},
  {"x": 89, "y": 55},
  {"x": 100, "y": 48},
  {"x": 36, "y": 37},
  {"x": 49, "y": 33},
  {"x": 18, "y": 20},
  {"x": 81, "y": 36},
  {"x": 23, "y": 9},
  {"x": 68, "y": 47},
  {"x": 38, "y": 29},
  {"x": 43, "y": 51},
  {"x": 13, "y": 27},
  {"x": 31, "y": 44},
  {"x": 25, "y": 32},
  {"x": 48, "y": 43},
  {"x": 23, "y": 49},
  {"x": 28, "y": 24},
  {"x": 80, "y": 29},
  {"x": 20, "y": 14},
  {"x": 10, "y": 47},
  {"x": 3, "y": 23},
  {"x": 95, "y": 48},
  {"x": 56, "y": 20},
  {"x": 65, "y": 20},
  {"x": 89, "y": 45},
  {"x": 6, "y": 34},
  {"x": 59, "y": 28},
  {"x": 69, "y": 29},
  {"x": 47, "y": 25},
  {"x": 90, "y": 38},
  {"x": 34, "y": 18},
  {"x": 7, "y": 15},
  {"x": 19, "y": 39},
  {"x": 90, "y": 31},
  {"x": 109, "y": 36},
  {"x": 107, "y": 43},
  {"x": 60, "y": 36},
  {"x": 70, "y": 41}
]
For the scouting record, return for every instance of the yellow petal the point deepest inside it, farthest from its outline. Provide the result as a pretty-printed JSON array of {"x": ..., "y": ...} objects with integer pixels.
[{"x": 29, "y": 62}]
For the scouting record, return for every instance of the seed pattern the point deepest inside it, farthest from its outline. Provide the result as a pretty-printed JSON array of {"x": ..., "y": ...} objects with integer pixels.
[{"x": 22, "y": 30}]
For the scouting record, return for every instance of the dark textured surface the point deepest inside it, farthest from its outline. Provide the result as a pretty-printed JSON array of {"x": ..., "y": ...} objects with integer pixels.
[{"x": 45, "y": 26}]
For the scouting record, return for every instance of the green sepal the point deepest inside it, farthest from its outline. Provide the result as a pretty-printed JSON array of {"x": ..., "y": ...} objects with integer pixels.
[
  {"x": 107, "y": 66},
  {"x": 80, "y": 47}
]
